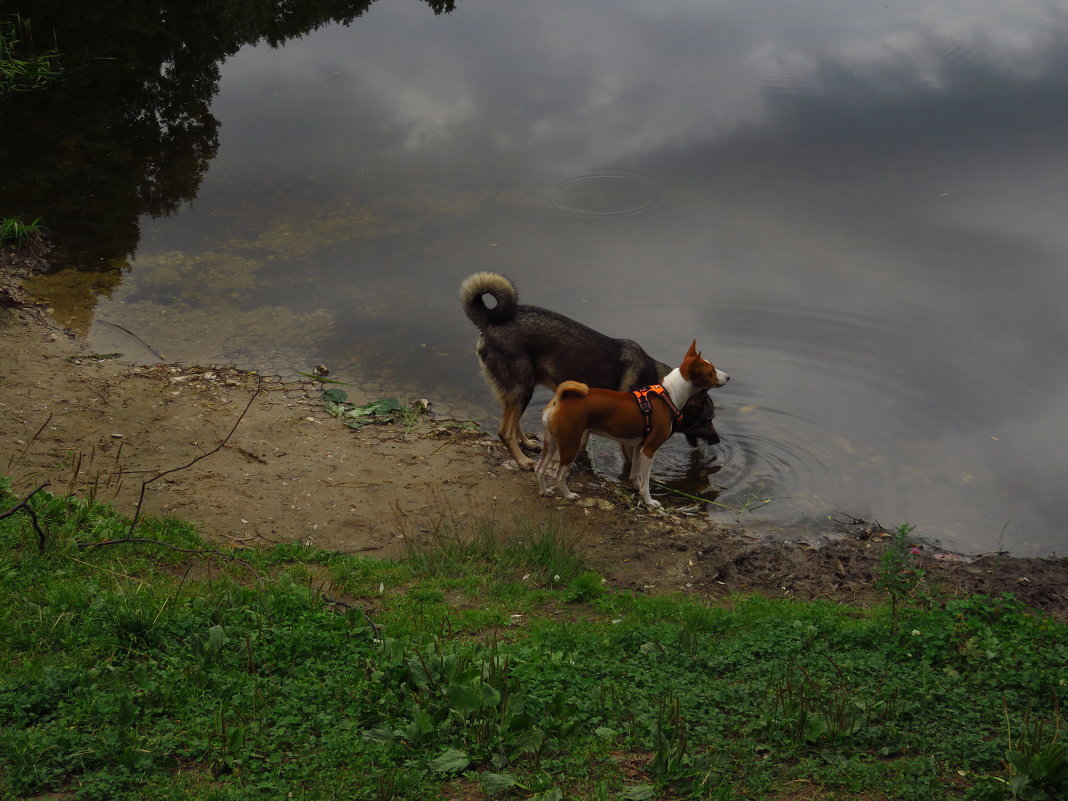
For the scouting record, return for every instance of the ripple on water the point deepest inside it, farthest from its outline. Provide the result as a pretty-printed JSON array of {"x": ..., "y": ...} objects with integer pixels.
[
  {"x": 942, "y": 55},
  {"x": 809, "y": 459},
  {"x": 764, "y": 454},
  {"x": 913, "y": 58},
  {"x": 605, "y": 193},
  {"x": 787, "y": 55},
  {"x": 697, "y": 11}
]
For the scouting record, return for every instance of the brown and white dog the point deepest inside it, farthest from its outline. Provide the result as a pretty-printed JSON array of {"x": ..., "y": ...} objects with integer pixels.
[
  {"x": 577, "y": 408},
  {"x": 522, "y": 346}
]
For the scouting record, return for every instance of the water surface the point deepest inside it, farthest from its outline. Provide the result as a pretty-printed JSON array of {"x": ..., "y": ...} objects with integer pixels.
[{"x": 856, "y": 208}]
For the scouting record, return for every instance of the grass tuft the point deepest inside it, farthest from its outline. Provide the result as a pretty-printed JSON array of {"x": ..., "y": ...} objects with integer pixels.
[
  {"x": 20, "y": 71},
  {"x": 28, "y": 239},
  {"x": 545, "y": 553}
]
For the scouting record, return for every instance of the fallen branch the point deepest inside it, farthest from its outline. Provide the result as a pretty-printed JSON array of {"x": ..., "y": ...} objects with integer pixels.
[
  {"x": 129, "y": 538},
  {"x": 25, "y": 504},
  {"x": 144, "y": 484},
  {"x": 152, "y": 350}
]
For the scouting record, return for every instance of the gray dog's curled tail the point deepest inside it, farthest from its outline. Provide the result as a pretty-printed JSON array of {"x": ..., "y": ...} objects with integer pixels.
[{"x": 473, "y": 290}]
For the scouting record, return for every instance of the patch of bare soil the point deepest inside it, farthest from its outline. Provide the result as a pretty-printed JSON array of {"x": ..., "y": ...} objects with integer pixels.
[{"x": 290, "y": 472}]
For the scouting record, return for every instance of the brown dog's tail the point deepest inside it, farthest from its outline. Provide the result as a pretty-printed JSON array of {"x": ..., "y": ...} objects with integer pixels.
[
  {"x": 472, "y": 295},
  {"x": 572, "y": 389},
  {"x": 567, "y": 389}
]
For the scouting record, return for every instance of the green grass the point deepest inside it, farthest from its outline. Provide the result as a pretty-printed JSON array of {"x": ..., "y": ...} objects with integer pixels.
[
  {"x": 19, "y": 71},
  {"x": 491, "y": 665},
  {"x": 28, "y": 238}
]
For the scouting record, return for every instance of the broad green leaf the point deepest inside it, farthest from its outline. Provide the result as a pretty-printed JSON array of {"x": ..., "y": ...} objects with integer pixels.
[
  {"x": 450, "y": 761},
  {"x": 638, "y": 792},
  {"x": 464, "y": 697},
  {"x": 491, "y": 696},
  {"x": 494, "y": 783},
  {"x": 216, "y": 638},
  {"x": 359, "y": 411},
  {"x": 235, "y": 740},
  {"x": 530, "y": 741},
  {"x": 423, "y": 722},
  {"x": 379, "y": 736}
]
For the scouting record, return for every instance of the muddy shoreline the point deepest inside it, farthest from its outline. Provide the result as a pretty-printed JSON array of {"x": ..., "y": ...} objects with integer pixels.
[{"x": 291, "y": 472}]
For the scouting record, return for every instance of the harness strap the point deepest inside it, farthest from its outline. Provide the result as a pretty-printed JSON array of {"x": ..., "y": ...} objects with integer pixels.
[{"x": 646, "y": 408}]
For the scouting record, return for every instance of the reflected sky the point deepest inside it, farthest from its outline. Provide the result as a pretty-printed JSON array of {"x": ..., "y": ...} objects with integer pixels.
[{"x": 856, "y": 208}]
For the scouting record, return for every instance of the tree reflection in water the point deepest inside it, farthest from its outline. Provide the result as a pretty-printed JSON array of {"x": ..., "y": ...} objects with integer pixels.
[{"x": 128, "y": 129}]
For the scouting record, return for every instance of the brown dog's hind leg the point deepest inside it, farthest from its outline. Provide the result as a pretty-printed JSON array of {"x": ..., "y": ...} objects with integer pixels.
[
  {"x": 547, "y": 453},
  {"x": 566, "y": 454}
]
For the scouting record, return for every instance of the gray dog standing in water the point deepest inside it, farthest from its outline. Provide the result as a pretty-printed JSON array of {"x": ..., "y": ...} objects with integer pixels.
[{"x": 523, "y": 346}]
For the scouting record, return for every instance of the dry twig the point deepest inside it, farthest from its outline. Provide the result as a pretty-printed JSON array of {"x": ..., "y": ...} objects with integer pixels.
[
  {"x": 129, "y": 538},
  {"x": 144, "y": 484},
  {"x": 25, "y": 504}
]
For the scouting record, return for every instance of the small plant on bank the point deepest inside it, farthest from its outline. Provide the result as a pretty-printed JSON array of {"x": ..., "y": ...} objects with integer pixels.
[
  {"x": 899, "y": 574},
  {"x": 28, "y": 239},
  {"x": 381, "y": 411},
  {"x": 585, "y": 587}
]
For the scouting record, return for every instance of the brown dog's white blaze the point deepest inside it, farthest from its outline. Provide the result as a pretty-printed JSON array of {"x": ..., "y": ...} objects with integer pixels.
[
  {"x": 577, "y": 408},
  {"x": 701, "y": 372}
]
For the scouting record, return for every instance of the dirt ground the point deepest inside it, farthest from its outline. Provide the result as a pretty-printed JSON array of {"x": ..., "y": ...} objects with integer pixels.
[{"x": 291, "y": 472}]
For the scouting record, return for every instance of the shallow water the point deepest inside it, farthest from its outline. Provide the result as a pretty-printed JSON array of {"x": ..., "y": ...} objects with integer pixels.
[{"x": 857, "y": 210}]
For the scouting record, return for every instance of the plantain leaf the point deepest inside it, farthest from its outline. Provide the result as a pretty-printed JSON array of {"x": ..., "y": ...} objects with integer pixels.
[{"x": 450, "y": 761}]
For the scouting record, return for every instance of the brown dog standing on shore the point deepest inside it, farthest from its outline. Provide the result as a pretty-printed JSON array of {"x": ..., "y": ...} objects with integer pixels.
[
  {"x": 639, "y": 427},
  {"x": 523, "y": 346}
]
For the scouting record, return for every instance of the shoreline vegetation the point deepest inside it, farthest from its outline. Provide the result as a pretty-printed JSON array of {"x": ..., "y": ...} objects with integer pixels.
[
  {"x": 22, "y": 71},
  {"x": 558, "y": 656},
  {"x": 22, "y": 238},
  {"x": 162, "y": 667}
]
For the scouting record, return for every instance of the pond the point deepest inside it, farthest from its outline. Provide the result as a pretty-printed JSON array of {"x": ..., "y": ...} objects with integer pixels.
[{"x": 857, "y": 209}]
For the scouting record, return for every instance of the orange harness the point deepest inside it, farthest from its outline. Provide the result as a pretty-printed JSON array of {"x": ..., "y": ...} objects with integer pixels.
[{"x": 646, "y": 408}]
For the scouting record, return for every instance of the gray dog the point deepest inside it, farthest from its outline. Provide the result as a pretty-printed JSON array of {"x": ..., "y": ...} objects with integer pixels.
[{"x": 523, "y": 346}]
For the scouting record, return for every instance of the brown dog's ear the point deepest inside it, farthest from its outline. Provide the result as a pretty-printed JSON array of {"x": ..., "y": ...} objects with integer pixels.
[{"x": 688, "y": 360}]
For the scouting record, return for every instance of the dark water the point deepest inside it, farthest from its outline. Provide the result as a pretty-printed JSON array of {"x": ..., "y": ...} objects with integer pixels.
[{"x": 858, "y": 209}]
